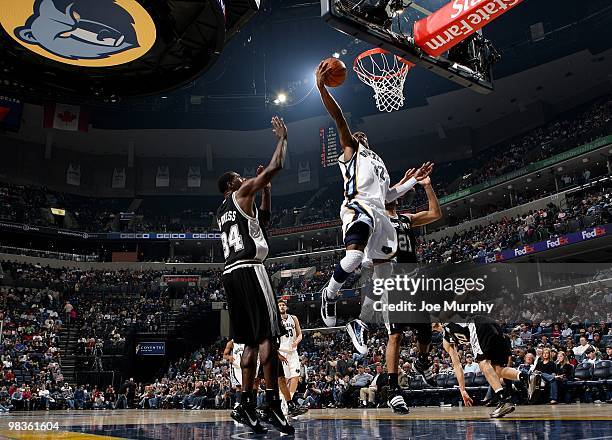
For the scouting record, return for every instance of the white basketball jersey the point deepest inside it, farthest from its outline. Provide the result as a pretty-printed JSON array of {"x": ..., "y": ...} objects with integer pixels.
[
  {"x": 237, "y": 351},
  {"x": 365, "y": 178},
  {"x": 287, "y": 340}
]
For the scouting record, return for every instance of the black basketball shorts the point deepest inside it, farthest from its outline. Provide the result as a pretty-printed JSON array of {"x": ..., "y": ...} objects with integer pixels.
[
  {"x": 252, "y": 306},
  {"x": 494, "y": 344}
]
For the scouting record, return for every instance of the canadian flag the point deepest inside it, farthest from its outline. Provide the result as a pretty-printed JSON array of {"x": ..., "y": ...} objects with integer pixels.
[{"x": 66, "y": 117}]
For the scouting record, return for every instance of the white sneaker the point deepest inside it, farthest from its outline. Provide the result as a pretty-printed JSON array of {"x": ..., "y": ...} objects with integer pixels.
[
  {"x": 328, "y": 309},
  {"x": 398, "y": 404},
  {"x": 358, "y": 331}
]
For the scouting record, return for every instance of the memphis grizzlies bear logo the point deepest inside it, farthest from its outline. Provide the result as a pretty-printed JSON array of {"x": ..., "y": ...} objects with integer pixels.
[{"x": 83, "y": 31}]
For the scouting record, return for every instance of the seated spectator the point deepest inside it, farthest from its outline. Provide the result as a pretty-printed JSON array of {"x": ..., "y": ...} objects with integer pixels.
[
  {"x": 470, "y": 365},
  {"x": 590, "y": 356},
  {"x": 377, "y": 387},
  {"x": 548, "y": 369},
  {"x": 359, "y": 381},
  {"x": 581, "y": 349}
]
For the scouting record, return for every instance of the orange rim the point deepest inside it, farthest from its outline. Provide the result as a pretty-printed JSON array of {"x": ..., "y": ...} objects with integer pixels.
[{"x": 377, "y": 50}]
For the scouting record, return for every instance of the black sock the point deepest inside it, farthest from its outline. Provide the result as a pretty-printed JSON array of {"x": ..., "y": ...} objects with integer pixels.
[
  {"x": 500, "y": 395},
  {"x": 424, "y": 358},
  {"x": 523, "y": 376},
  {"x": 271, "y": 395},
  {"x": 247, "y": 398},
  {"x": 393, "y": 381}
]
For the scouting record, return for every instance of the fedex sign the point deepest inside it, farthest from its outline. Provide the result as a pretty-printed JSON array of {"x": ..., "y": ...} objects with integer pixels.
[
  {"x": 593, "y": 233},
  {"x": 559, "y": 241}
]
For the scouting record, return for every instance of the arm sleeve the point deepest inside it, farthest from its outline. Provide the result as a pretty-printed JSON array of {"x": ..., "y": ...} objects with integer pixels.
[{"x": 400, "y": 190}]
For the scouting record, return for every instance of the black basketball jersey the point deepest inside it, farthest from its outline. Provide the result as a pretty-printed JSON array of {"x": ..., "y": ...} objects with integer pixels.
[
  {"x": 483, "y": 337},
  {"x": 241, "y": 235},
  {"x": 455, "y": 333},
  {"x": 406, "y": 241}
]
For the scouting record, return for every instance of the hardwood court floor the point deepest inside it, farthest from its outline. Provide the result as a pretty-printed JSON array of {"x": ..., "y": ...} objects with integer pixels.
[{"x": 527, "y": 422}]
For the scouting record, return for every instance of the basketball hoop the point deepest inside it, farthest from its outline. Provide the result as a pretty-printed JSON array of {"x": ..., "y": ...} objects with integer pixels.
[{"x": 385, "y": 73}]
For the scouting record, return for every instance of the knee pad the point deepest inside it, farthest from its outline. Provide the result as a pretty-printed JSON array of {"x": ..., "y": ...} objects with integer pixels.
[
  {"x": 347, "y": 265},
  {"x": 351, "y": 260}
]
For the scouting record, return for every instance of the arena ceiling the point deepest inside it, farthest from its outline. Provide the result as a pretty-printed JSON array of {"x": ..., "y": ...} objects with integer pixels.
[{"x": 104, "y": 51}]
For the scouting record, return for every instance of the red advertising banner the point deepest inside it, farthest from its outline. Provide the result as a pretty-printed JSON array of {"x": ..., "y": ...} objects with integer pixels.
[{"x": 456, "y": 21}]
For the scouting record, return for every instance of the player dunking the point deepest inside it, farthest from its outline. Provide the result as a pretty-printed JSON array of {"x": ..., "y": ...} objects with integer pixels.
[
  {"x": 252, "y": 307},
  {"x": 491, "y": 349},
  {"x": 368, "y": 232},
  {"x": 406, "y": 255}
]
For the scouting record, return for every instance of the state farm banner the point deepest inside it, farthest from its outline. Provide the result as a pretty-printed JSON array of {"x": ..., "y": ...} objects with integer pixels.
[
  {"x": 303, "y": 172},
  {"x": 456, "y": 21},
  {"x": 73, "y": 175},
  {"x": 162, "y": 179},
  {"x": 194, "y": 177}
]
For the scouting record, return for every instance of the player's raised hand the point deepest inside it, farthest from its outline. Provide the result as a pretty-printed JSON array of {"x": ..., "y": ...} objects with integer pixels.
[
  {"x": 423, "y": 173},
  {"x": 279, "y": 128},
  {"x": 322, "y": 69},
  {"x": 409, "y": 174}
]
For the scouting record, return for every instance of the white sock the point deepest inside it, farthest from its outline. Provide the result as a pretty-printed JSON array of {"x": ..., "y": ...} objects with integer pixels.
[{"x": 333, "y": 287}]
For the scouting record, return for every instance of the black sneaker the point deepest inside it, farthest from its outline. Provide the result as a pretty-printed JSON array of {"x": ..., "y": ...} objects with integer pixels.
[
  {"x": 274, "y": 416},
  {"x": 425, "y": 369},
  {"x": 398, "y": 404},
  {"x": 248, "y": 417},
  {"x": 503, "y": 407},
  {"x": 296, "y": 410}
]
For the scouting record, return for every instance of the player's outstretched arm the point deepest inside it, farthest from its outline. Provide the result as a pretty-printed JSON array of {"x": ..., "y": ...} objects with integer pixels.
[
  {"x": 298, "y": 332},
  {"x": 334, "y": 110},
  {"x": 433, "y": 212},
  {"x": 265, "y": 208},
  {"x": 458, "y": 369},
  {"x": 249, "y": 188},
  {"x": 410, "y": 179}
]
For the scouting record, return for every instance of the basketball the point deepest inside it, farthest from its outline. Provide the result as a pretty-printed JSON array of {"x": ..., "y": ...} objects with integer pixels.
[{"x": 336, "y": 74}]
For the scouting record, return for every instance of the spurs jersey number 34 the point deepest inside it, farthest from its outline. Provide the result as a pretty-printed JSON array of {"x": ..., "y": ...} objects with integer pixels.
[{"x": 241, "y": 235}]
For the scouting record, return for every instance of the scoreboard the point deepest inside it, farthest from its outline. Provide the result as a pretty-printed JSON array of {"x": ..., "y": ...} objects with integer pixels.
[{"x": 330, "y": 146}]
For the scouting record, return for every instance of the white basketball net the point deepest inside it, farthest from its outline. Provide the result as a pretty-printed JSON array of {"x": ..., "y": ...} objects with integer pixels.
[{"x": 385, "y": 73}]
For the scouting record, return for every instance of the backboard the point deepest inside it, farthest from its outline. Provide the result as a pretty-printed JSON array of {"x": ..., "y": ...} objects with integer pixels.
[{"x": 390, "y": 24}]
